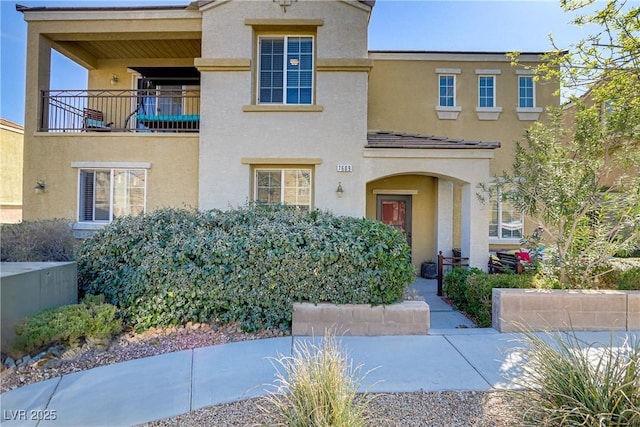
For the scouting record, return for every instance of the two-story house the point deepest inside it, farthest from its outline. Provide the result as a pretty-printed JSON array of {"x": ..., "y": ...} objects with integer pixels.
[{"x": 218, "y": 103}]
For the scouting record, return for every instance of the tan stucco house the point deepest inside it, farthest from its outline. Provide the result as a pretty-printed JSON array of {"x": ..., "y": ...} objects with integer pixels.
[
  {"x": 11, "y": 145},
  {"x": 218, "y": 103}
]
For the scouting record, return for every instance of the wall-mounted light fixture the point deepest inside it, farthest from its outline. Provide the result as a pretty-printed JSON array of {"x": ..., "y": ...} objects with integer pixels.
[
  {"x": 40, "y": 186},
  {"x": 114, "y": 79},
  {"x": 284, "y": 4},
  {"x": 339, "y": 190}
]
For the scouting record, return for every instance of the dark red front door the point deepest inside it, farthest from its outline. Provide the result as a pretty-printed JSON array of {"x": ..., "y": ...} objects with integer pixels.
[{"x": 396, "y": 211}]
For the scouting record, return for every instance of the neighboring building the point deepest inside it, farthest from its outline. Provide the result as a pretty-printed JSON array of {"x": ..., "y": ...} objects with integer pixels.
[
  {"x": 222, "y": 102},
  {"x": 11, "y": 143}
]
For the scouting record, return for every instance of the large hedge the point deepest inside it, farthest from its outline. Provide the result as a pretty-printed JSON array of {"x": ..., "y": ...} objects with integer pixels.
[{"x": 248, "y": 264}]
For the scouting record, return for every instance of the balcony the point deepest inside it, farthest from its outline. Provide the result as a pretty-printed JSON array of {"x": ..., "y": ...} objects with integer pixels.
[{"x": 170, "y": 109}]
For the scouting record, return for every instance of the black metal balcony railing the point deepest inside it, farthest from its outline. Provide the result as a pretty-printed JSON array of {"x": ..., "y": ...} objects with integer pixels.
[{"x": 144, "y": 110}]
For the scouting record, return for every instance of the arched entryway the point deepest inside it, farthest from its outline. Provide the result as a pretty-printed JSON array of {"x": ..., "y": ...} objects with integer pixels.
[{"x": 409, "y": 203}]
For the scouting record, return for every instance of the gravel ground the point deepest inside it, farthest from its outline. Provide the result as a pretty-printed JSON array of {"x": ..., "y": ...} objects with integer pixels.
[{"x": 438, "y": 409}]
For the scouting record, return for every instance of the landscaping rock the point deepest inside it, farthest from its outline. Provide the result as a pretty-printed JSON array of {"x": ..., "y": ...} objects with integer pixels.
[{"x": 9, "y": 363}]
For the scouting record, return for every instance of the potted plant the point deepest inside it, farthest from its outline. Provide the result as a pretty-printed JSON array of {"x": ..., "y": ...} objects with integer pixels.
[{"x": 429, "y": 269}]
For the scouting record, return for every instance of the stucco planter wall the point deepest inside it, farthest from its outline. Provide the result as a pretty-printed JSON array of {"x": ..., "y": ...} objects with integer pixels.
[
  {"x": 29, "y": 287},
  {"x": 562, "y": 310},
  {"x": 406, "y": 318}
]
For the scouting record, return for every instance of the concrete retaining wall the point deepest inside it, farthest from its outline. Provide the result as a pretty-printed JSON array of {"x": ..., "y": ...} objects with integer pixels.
[
  {"x": 561, "y": 310},
  {"x": 407, "y": 318},
  {"x": 29, "y": 287}
]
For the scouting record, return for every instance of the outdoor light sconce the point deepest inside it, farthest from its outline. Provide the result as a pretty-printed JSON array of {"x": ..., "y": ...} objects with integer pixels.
[
  {"x": 114, "y": 79},
  {"x": 40, "y": 187},
  {"x": 339, "y": 190},
  {"x": 284, "y": 4}
]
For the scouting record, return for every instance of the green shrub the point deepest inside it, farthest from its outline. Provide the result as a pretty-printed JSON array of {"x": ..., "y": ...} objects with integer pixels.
[
  {"x": 455, "y": 284},
  {"x": 470, "y": 290},
  {"x": 68, "y": 324},
  {"x": 478, "y": 293},
  {"x": 629, "y": 280},
  {"x": 316, "y": 387},
  {"x": 564, "y": 383},
  {"x": 620, "y": 274},
  {"x": 248, "y": 264},
  {"x": 38, "y": 241}
]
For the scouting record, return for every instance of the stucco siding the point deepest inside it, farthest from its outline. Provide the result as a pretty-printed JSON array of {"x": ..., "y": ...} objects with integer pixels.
[
  {"x": 227, "y": 35},
  {"x": 403, "y": 95},
  {"x": 11, "y": 162},
  {"x": 234, "y": 128},
  {"x": 11, "y": 149},
  {"x": 172, "y": 179}
]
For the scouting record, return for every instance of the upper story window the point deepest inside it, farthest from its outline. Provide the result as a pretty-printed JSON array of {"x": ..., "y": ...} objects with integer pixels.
[
  {"x": 446, "y": 108},
  {"x": 447, "y": 91},
  {"x": 486, "y": 91},
  {"x": 527, "y": 109},
  {"x": 105, "y": 194},
  {"x": 487, "y": 108},
  {"x": 526, "y": 97},
  {"x": 285, "y": 70},
  {"x": 289, "y": 186}
]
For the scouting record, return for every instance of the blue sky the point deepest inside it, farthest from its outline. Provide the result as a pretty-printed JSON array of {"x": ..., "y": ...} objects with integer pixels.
[{"x": 445, "y": 25}]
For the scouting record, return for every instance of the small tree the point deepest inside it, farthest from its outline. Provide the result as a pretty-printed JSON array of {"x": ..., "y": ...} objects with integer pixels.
[
  {"x": 578, "y": 174},
  {"x": 560, "y": 177}
]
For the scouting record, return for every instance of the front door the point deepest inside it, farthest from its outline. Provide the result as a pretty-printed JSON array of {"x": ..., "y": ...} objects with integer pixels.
[{"x": 395, "y": 211}]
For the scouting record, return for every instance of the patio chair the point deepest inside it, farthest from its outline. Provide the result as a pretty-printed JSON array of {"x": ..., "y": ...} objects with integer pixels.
[{"x": 93, "y": 121}]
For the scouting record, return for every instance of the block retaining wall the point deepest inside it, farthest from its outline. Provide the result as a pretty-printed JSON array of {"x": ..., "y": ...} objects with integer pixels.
[
  {"x": 562, "y": 310},
  {"x": 406, "y": 318}
]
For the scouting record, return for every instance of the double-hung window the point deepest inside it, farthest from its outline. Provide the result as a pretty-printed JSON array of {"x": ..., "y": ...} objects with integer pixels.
[
  {"x": 486, "y": 91},
  {"x": 505, "y": 222},
  {"x": 288, "y": 186},
  {"x": 285, "y": 67},
  {"x": 447, "y": 91},
  {"x": 105, "y": 194},
  {"x": 525, "y": 92},
  {"x": 446, "y": 107},
  {"x": 527, "y": 109}
]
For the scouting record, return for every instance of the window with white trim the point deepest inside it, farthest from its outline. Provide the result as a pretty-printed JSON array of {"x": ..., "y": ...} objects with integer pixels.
[
  {"x": 526, "y": 95},
  {"x": 288, "y": 186},
  {"x": 486, "y": 91},
  {"x": 447, "y": 90},
  {"x": 105, "y": 194},
  {"x": 285, "y": 70},
  {"x": 505, "y": 222}
]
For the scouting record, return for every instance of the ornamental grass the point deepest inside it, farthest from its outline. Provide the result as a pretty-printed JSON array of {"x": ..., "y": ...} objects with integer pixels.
[{"x": 317, "y": 387}]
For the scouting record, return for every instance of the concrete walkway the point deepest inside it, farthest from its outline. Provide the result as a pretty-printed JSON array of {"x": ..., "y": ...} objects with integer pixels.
[
  {"x": 443, "y": 316},
  {"x": 143, "y": 390}
]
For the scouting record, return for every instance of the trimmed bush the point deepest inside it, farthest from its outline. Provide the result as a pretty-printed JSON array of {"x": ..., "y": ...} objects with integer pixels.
[
  {"x": 68, "y": 324},
  {"x": 565, "y": 383},
  {"x": 470, "y": 290},
  {"x": 629, "y": 280},
  {"x": 38, "y": 241},
  {"x": 248, "y": 264},
  {"x": 621, "y": 275},
  {"x": 455, "y": 284},
  {"x": 478, "y": 301}
]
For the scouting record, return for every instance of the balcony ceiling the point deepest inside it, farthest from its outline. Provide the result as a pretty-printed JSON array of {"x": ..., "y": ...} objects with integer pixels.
[
  {"x": 123, "y": 49},
  {"x": 144, "y": 49}
]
